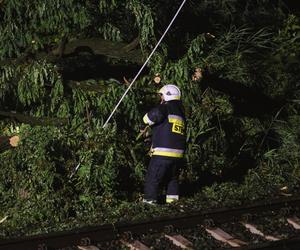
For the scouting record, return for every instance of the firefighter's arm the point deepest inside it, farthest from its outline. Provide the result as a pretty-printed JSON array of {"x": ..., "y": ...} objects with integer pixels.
[{"x": 155, "y": 116}]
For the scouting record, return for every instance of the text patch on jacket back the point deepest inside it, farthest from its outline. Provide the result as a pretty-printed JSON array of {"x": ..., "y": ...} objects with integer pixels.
[{"x": 178, "y": 125}]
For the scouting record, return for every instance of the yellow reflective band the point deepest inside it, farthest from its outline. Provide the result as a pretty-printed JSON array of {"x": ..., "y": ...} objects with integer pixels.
[
  {"x": 177, "y": 121},
  {"x": 170, "y": 200},
  {"x": 169, "y": 154},
  {"x": 145, "y": 119}
]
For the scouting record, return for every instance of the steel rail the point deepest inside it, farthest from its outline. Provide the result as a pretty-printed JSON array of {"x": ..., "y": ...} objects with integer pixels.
[{"x": 109, "y": 232}]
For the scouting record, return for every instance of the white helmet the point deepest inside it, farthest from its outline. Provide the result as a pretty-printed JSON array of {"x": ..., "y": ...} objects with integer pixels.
[{"x": 170, "y": 92}]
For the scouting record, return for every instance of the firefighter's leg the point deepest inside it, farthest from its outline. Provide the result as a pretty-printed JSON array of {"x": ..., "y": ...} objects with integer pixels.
[
  {"x": 154, "y": 176},
  {"x": 173, "y": 186}
]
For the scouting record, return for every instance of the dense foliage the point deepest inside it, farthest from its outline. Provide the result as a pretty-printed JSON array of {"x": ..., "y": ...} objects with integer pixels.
[{"x": 243, "y": 114}]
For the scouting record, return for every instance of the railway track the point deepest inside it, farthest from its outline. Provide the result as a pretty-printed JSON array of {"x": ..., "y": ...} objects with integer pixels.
[{"x": 264, "y": 225}]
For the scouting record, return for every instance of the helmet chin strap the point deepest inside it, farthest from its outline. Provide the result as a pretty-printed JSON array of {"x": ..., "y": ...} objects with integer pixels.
[{"x": 162, "y": 99}]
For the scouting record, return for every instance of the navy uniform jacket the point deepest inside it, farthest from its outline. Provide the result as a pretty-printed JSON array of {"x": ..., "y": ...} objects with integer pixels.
[{"x": 168, "y": 120}]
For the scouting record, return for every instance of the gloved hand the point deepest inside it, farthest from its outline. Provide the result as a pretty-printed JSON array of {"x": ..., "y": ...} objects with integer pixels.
[{"x": 145, "y": 133}]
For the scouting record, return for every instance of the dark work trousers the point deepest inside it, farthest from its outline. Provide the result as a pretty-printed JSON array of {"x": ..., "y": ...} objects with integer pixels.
[{"x": 162, "y": 171}]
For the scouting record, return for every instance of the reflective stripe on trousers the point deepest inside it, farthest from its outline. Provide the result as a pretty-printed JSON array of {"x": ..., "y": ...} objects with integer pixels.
[{"x": 172, "y": 198}]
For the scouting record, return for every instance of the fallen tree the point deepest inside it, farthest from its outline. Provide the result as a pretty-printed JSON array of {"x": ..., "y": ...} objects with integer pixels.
[
  {"x": 242, "y": 133},
  {"x": 95, "y": 46}
]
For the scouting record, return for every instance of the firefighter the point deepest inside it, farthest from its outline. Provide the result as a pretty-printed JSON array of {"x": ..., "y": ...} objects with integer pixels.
[{"x": 167, "y": 121}]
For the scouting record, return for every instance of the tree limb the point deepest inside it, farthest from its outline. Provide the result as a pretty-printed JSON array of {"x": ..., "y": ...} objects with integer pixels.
[
  {"x": 107, "y": 48},
  {"x": 96, "y": 46},
  {"x": 45, "y": 121},
  {"x": 86, "y": 86}
]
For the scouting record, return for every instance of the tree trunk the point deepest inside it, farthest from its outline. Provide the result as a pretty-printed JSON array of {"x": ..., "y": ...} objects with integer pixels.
[
  {"x": 44, "y": 121},
  {"x": 100, "y": 46}
]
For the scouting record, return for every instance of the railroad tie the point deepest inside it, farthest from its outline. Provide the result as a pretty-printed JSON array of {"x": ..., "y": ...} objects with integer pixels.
[
  {"x": 87, "y": 248},
  {"x": 180, "y": 241},
  {"x": 254, "y": 230},
  {"x": 222, "y": 236},
  {"x": 295, "y": 222},
  {"x": 136, "y": 245}
]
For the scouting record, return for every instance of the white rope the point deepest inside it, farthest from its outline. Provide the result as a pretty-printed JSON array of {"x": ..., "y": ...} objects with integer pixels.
[{"x": 149, "y": 57}]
